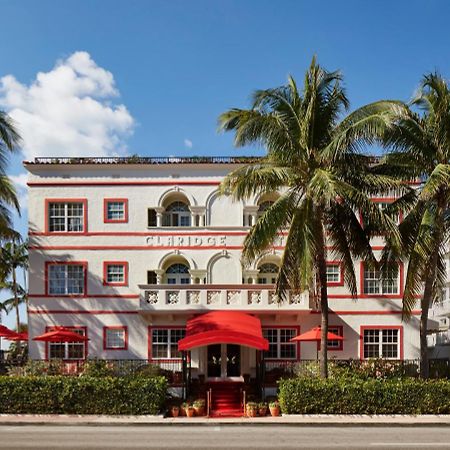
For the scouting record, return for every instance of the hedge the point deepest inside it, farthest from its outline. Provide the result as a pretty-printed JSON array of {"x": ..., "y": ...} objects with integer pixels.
[
  {"x": 81, "y": 395},
  {"x": 392, "y": 396}
]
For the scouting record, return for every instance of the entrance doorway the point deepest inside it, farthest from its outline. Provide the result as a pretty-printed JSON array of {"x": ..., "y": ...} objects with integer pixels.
[{"x": 224, "y": 361}]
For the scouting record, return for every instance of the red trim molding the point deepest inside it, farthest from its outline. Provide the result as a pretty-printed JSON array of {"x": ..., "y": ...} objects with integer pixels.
[
  {"x": 118, "y": 327},
  {"x": 124, "y": 183},
  {"x": 380, "y": 327},
  {"x": 65, "y": 263},
  {"x": 341, "y": 273},
  {"x": 124, "y": 264},
  {"x": 70, "y": 327},
  {"x": 66, "y": 200},
  {"x": 106, "y": 201},
  {"x": 79, "y": 311}
]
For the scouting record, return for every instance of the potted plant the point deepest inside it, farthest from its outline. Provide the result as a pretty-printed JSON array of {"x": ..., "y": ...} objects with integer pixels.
[
  {"x": 262, "y": 409},
  {"x": 183, "y": 408},
  {"x": 199, "y": 406},
  {"x": 190, "y": 410},
  {"x": 175, "y": 411},
  {"x": 251, "y": 409},
  {"x": 274, "y": 408}
]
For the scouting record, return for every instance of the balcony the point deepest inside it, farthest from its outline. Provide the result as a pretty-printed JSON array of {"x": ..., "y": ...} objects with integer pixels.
[{"x": 249, "y": 297}]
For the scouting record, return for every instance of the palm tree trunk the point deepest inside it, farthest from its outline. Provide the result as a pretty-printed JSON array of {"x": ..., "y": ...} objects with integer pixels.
[
  {"x": 322, "y": 269},
  {"x": 425, "y": 306},
  {"x": 16, "y": 299}
]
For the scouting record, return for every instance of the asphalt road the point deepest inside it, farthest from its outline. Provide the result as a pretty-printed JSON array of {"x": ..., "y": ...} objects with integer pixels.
[{"x": 222, "y": 437}]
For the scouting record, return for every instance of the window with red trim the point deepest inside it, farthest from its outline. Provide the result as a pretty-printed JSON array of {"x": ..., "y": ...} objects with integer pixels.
[
  {"x": 376, "y": 282},
  {"x": 66, "y": 278},
  {"x": 381, "y": 343},
  {"x": 115, "y": 210},
  {"x": 337, "y": 344},
  {"x": 66, "y": 216},
  {"x": 115, "y": 273},
  {"x": 115, "y": 338},
  {"x": 335, "y": 276},
  {"x": 68, "y": 350}
]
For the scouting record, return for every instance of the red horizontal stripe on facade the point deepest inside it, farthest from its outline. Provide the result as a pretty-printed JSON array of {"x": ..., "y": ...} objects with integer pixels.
[
  {"x": 369, "y": 313},
  {"x": 149, "y": 234}
]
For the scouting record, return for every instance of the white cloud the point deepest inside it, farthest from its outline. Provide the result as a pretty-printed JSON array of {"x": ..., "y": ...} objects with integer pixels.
[
  {"x": 68, "y": 111},
  {"x": 188, "y": 143}
]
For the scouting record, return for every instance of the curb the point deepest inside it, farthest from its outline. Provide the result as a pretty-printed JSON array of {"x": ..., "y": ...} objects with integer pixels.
[{"x": 286, "y": 421}]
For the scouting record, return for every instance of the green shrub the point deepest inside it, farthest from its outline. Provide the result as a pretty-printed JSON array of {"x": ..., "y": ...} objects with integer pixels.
[
  {"x": 81, "y": 395},
  {"x": 364, "y": 396}
]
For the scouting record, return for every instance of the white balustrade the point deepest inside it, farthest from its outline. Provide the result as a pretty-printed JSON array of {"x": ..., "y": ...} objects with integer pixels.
[{"x": 166, "y": 298}]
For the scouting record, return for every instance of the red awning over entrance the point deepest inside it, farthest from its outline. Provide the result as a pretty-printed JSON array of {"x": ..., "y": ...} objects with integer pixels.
[{"x": 224, "y": 327}]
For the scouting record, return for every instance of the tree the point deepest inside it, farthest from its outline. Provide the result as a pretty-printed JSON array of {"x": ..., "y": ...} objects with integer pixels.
[
  {"x": 13, "y": 256},
  {"x": 420, "y": 144},
  {"x": 313, "y": 159},
  {"x": 9, "y": 141}
]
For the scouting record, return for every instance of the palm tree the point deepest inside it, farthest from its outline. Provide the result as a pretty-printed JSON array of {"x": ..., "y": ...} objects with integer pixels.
[
  {"x": 13, "y": 256},
  {"x": 9, "y": 142},
  {"x": 313, "y": 159},
  {"x": 420, "y": 144}
]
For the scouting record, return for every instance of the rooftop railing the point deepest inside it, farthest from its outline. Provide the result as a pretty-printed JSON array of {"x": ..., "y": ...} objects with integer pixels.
[{"x": 147, "y": 160}]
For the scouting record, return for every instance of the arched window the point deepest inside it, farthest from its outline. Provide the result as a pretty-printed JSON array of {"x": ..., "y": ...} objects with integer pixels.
[
  {"x": 177, "y": 215},
  {"x": 267, "y": 273},
  {"x": 178, "y": 274}
]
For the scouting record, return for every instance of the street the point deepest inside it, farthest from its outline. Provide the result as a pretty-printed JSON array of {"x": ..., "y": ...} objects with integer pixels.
[{"x": 222, "y": 437}]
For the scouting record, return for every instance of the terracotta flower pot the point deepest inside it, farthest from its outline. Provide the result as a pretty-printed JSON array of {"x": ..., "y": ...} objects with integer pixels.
[
  {"x": 190, "y": 411},
  {"x": 275, "y": 411},
  {"x": 175, "y": 411},
  {"x": 263, "y": 411},
  {"x": 199, "y": 410}
]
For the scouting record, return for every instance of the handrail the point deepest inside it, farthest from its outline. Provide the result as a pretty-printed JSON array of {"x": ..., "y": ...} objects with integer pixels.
[
  {"x": 208, "y": 401},
  {"x": 244, "y": 400}
]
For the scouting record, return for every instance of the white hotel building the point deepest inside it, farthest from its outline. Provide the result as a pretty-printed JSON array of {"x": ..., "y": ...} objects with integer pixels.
[{"x": 129, "y": 251}]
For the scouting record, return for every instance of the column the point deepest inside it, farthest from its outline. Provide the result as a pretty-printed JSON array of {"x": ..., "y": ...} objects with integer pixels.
[
  {"x": 159, "y": 276},
  {"x": 159, "y": 216}
]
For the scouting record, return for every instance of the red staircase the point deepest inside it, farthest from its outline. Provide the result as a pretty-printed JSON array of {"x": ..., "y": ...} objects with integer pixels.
[{"x": 226, "y": 399}]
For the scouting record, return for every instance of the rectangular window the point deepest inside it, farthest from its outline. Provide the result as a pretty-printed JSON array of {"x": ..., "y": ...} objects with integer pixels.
[
  {"x": 377, "y": 283},
  {"x": 336, "y": 344},
  {"x": 66, "y": 217},
  {"x": 116, "y": 210},
  {"x": 115, "y": 338},
  {"x": 66, "y": 279},
  {"x": 334, "y": 276},
  {"x": 115, "y": 273},
  {"x": 280, "y": 346},
  {"x": 68, "y": 350},
  {"x": 381, "y": 343},
  {"x": 165, "y": 342},
  {"x": 151, "y": 277}
]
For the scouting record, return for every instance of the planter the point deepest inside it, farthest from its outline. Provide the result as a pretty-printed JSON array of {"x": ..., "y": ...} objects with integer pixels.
[
  {"x": 190, "y": 411},
  {"x": 251, "y": 409},
  {"x": 275, "y": 411},
  {"x": 175, "y": 411},
  {"x": 199, "y": 410},
  {"x": 262, "y": 411},
  {"x": 183, "y": 408}
]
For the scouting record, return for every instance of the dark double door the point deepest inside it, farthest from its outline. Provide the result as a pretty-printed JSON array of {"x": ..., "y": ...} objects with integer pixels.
[{"x": 224, "y": 361}]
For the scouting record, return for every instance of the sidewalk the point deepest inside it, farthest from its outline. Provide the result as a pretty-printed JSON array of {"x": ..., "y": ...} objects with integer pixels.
[{"x": 288, "y": 420}]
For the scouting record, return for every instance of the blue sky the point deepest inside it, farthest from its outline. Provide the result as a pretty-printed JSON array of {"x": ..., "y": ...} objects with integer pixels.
[{"x": 160, "y": 72}]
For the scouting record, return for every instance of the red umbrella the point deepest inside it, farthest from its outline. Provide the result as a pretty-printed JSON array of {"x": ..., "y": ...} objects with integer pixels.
[
  {"x": 17, "y": 337},
  {"x": 315, "y": 334},
  {"x": 5, "y": 332},
  {"x": 61, "y": 334}
]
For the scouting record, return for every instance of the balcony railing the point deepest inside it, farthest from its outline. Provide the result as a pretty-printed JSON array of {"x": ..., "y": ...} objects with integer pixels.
[{"x": 167, "y": 297}]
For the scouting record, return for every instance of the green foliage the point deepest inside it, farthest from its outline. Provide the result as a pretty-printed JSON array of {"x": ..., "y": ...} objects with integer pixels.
[
  {"x": 359, "y": 396},
  {"x": 97, "y": 368},
  {"x": 81, "y": 395}
]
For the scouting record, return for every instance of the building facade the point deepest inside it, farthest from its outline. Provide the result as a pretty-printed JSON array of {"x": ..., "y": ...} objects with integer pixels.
[{"x": 127, "y": 252}]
